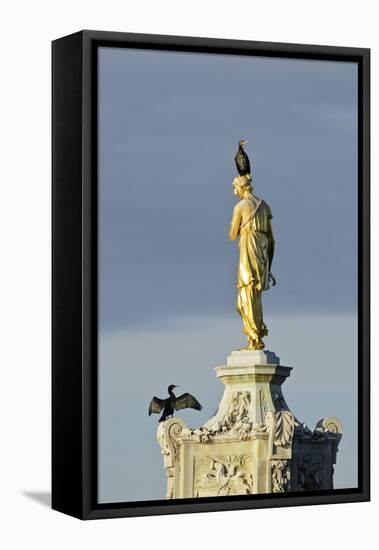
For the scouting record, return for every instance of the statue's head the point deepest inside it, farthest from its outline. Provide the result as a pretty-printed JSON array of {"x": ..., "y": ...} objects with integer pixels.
[{"x": 241, "y": 184}]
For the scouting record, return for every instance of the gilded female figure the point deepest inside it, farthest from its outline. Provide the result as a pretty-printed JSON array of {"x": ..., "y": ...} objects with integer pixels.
[{"x": 252, "y": 222}]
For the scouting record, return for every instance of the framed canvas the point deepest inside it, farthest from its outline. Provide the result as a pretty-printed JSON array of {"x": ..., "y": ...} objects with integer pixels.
[{"x": 210, "y": 231}]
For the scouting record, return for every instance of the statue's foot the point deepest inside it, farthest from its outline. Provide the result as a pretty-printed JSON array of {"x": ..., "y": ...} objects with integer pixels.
[{"x": 255, "y": 345}]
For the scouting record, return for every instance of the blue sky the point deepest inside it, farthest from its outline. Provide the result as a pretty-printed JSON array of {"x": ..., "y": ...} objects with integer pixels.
[{"x": 169, "y": 124}]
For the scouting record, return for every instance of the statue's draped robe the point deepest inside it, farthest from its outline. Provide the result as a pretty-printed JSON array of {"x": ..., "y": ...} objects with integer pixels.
[{"x": 251, "y": 220}]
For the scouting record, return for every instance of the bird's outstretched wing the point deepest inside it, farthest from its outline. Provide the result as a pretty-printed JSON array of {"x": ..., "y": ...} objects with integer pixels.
[
  {"x": 156, "y": 405},
  {"x": 187, "y": 401}
]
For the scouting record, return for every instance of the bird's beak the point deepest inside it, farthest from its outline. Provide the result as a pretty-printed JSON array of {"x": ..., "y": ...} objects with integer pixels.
[
  {"x": 244, "y": 141},
  {"x": 176, "y": 386}
]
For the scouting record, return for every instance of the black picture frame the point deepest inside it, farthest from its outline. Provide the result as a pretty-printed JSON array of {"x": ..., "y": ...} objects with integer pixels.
[{"x": 74, "y": 273}]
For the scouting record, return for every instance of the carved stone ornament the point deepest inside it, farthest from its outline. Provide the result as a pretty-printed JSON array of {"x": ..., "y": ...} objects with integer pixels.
[
  {"x": 236, "y": 422},
  {"x": 170, "y": 474},
  {"x": 309, "y": 473},
  {"x": 279, "y": 476},
  {"x": 263, "y": 405},
  {"x": 224, "y": 475},
  {"x": 282, "y": 425}
]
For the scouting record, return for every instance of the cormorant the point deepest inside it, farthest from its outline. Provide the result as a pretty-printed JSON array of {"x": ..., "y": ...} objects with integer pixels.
[
  {"x": 242, "y": 160},
  {"x": 173, "y": 403}
]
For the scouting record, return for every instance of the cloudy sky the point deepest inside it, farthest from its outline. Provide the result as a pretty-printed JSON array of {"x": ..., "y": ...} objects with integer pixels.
[{"x": 169, "y": 124}]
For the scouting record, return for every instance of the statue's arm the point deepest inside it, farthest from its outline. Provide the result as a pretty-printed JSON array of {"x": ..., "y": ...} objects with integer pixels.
[
  {"x": 235, "y": 223},
  {"x": 271, "y": 244}
]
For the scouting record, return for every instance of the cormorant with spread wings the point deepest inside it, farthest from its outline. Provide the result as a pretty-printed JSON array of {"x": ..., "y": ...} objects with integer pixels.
[{"x": 173, "y": 403}]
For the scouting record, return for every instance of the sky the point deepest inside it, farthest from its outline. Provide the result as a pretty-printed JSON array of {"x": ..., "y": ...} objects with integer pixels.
[{"x": 169, "y": 124}]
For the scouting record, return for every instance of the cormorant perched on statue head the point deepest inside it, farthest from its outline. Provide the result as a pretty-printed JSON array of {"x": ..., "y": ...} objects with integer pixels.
[
  {"x": 173, "y": 403},
  {"x": 242, "y": 160}
]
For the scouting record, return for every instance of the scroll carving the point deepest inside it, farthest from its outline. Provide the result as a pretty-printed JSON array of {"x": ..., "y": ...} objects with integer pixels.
[
  {"x": 167, "y": 435},
  {"x": 330, "y": 425}
]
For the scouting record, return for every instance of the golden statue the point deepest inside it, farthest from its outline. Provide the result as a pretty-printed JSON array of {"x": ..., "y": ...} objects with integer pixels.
[{"x": 252, "y": 222}]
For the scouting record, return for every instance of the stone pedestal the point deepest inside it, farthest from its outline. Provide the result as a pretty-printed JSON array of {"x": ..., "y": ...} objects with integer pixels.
[{"x": 254, "y": 443}]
